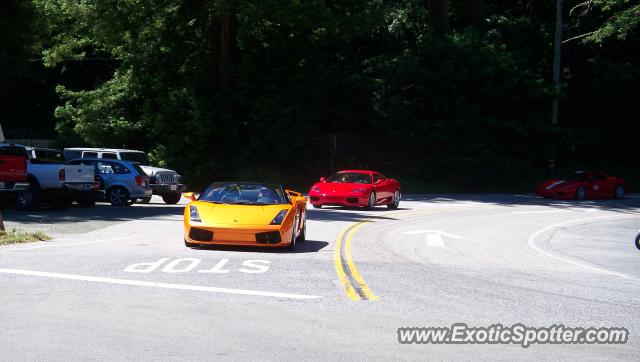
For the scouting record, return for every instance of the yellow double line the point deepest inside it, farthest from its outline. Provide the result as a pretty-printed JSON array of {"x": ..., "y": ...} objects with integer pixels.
[{"x": 354, "y": 284}]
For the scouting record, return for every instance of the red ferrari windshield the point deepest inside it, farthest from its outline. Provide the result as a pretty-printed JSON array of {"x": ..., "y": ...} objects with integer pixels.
[{"x": 351, "y": 177}]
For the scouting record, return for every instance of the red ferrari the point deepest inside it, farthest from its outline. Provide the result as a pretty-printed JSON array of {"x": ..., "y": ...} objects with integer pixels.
[
  {"x": 358, "y": 188},
  {"x": 583, "y": 185}
]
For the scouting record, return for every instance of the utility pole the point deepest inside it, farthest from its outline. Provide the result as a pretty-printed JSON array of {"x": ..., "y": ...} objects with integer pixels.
[{"x": 556, "y": 62}]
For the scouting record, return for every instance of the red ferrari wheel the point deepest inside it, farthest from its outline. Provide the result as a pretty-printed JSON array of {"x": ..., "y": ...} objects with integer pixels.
[
  {"x": 396, "y": 200},
  {"x": 372, "y": 200},
  {"x": 581, "y": 193}
]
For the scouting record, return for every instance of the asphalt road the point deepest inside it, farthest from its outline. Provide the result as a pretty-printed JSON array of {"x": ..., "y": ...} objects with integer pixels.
[{"x": 118, "y": 283}]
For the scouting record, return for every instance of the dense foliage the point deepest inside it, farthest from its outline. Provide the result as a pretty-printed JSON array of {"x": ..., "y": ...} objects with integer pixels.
[{"x": 442, "y": 95}]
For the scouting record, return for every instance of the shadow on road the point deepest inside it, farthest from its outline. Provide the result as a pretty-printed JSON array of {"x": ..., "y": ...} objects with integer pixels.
[
  {"x": 351, "y": 214},
  {"x": 102, "y": 212},
  {"x": 106, "y": 212},
  {"x": 309, "y": 246},
  {"x": 629, "y": 204}
]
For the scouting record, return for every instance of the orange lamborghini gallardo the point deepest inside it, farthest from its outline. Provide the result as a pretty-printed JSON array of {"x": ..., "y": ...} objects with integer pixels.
[{"x": 245, "y": 213}]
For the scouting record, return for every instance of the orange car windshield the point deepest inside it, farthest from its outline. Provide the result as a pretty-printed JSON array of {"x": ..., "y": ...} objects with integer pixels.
[{"x": 244, "y": 194}]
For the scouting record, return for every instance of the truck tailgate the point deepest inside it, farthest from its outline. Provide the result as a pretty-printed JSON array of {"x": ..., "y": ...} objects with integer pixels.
[
  {"x": 13, "y": 163},
  {"x": 79, "y": 173},
  {"x": 13, "y": 168}
]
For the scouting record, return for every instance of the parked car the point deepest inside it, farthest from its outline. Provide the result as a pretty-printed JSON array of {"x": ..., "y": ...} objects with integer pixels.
[
  {"x": 120, "y": 182},
  {"x": 582, "y": 185},
  {"x": 52, "y": 181},
  {"x": 164, "y": 182},
  {"x": 13, "y": 170},
  {"x": 360, "y": 188}
]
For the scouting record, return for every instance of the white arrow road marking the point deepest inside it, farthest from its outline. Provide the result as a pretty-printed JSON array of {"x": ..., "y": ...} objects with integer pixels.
[
  {"x": 435, "y": 240},
  {"x": 415, "y": 232},
  {"x": 142, "y": 283},
  {"x": 437, "y": 232},
  {"x": 434, "y": 237}
]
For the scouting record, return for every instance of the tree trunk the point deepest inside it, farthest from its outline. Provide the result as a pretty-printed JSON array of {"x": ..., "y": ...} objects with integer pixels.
[
  {"x": 557, "y": 60},
  {"x": 439, "y": 16},
  {"x": 474, "y": 14},
  {"x": 224, "y": 42},
  {"x": 1, "y": 222}
]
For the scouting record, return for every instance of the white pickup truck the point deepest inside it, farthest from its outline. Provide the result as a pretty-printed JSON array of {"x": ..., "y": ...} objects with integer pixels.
[
  {"x": 165, "y": 183},
  {"x": 58, "y": 184}
]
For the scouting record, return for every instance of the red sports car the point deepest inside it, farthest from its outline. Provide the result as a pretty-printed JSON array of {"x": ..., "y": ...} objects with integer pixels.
[
  {"x": 359, "y": 188},
  {"x": 584, "y": 185}
]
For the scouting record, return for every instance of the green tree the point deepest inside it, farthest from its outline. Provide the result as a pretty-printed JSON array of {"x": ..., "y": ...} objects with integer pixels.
[
  {"x": 430, "y": 92},
  {"x": 19, "y": 39},
  {"x": 615, "y": 19}
]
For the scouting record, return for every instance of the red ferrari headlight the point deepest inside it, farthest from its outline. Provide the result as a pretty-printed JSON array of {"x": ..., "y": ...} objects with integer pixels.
[
  {"x": 360, "y": 190},
  {"x": 315, "y": 189}
]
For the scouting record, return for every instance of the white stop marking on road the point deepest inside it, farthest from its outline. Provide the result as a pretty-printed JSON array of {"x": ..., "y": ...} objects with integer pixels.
[
  {"x": 189, "y": 265},
  {"x": 186, "y": 265}
]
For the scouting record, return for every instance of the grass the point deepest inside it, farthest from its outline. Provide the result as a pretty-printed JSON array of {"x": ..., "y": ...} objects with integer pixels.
[{"x": 14, "y": 236}]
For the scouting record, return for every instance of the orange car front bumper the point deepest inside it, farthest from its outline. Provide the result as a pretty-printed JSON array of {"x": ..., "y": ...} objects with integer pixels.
[{"x": 264, "y": 236}]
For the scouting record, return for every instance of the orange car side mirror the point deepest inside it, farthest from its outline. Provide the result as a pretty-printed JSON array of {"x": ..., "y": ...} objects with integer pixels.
[
  {"x": 294, "y": 196},
  {"x": 189, "y": 195},
  {"x": 293, "y": 193}
]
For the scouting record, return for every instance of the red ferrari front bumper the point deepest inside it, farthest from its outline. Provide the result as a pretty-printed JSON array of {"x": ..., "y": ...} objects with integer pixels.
[{"x": 338, "y": 199}]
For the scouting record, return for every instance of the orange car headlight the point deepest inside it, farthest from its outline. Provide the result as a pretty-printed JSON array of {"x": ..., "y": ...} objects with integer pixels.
[
  {"x": 279, "y": 218},
  {"x": 194, "y": 215}
]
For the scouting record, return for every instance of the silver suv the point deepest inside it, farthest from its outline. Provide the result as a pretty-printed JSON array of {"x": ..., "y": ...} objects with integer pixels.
[
  {"x": 122, "y": 182},
  {"x": 164, "y": 182}
]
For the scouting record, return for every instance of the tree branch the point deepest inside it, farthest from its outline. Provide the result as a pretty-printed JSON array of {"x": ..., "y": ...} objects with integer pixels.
[
  {"x": 587, "y": 4},
  {"x": 578, "y": 37},
  {"x": 77, "y": 60}
]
